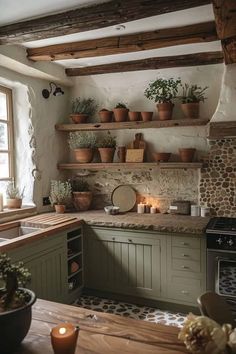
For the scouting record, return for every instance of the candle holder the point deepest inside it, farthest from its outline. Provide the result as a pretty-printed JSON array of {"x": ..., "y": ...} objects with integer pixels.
[{"x": 64, "y": 338}]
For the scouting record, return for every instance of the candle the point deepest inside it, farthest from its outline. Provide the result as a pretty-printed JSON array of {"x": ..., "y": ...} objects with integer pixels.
[
  {"x": 147, "y": 208},
  {"x": 141, "y": 208},
  {"x": 63, "y": 338},
  {"x": 1, "y": 202},
  {"x": 153, "y": 210}
]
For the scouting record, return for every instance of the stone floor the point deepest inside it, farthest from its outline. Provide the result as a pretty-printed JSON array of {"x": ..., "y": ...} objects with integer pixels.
[{"x": 130, "y": 310}]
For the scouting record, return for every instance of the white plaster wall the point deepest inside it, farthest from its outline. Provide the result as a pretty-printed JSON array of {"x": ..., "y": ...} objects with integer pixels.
[{"x": 38, "y": 146}]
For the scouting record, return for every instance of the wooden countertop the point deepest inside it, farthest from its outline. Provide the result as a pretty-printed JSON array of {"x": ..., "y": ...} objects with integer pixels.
[{"x": 100, "y": 333}]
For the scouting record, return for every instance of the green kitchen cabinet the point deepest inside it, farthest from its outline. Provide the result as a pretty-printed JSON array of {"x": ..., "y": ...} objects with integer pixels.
[{"x": 123, "y": 261}]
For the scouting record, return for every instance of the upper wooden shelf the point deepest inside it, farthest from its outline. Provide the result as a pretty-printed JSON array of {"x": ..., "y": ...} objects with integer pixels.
[
  {"x": 128, "y": 165},
  {"x": 132, "y": 125}
]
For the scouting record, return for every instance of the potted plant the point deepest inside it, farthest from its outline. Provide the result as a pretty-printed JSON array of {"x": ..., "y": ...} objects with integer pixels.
[
  {"x": 106, "y": 148},
  {"x": 82, "y": 196},
  {"x": 15, "y": 304},
  {"x": 163, "y": 91},
  {"x": 120, "y": 112},
  {"x": 60, "y": 194},
  {"x": 14, "y": 197},
  {"x": 134, "y": 116},
  {"x": 191, "y": 97},
  {"x": 83, "y": 144},
  {"x": 82, "y": 108},
  {"x": 105, "y": 115},
  {"x": 146, "y": 116}
]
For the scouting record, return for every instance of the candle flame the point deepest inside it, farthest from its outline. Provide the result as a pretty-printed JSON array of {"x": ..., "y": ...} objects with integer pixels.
[{"x": 62, "y": 330}]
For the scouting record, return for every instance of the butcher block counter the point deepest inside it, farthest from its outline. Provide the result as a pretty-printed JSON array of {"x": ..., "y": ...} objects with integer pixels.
[{"x": 100, "y": 333}]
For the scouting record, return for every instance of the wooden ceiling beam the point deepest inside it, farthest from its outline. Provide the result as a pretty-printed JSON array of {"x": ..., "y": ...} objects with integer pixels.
[
  {"x": 197, "y": 33},
  {"x": 150, "y": 64},
  {"x": 91, "y": 17}
]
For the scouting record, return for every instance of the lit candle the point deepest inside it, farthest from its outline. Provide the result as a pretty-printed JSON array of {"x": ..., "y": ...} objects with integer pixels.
[
  {"x": 153, "y": 210},
  {"x": 1, "y": 202},
  {"x": 147, "y": 208},
  {"x": 63, "y": 338},
  {"x": 141, "y": 208}
]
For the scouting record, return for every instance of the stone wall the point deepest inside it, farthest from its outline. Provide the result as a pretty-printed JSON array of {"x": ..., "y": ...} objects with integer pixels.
[{"x": 218, "y": 178}]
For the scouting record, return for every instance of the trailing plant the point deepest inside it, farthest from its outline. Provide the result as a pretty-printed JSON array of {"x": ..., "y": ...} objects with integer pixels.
[
  {"x": 121, "y": 105},
  {"x": 60, "y": 192},
  {"x": 79, "y": 185},
  {"x": 107, "y": 141},
  {"x": 84, "y": 106},
  {"x": 162, "y": 90},
  {"x": 81, "y": 140},
  {"x": 13, "y": 192},
  {"x": 193, "y": 93},
  {"x": 13, "y": 276}
]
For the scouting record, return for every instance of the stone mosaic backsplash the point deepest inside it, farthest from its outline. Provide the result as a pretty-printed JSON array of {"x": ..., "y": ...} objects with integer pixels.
[{"x": 218, "y": 178}]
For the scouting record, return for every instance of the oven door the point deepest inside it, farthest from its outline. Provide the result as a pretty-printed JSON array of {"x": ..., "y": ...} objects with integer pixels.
[{"x": 225, "y": 275}]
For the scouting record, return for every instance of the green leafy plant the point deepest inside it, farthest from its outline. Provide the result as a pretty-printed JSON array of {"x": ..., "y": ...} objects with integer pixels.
[
  {"x": 13, "y": 276},
  {"x": 121, "y": 105},
  {"x": 107, "y": 141},
  {"x": 81, "y": 140},
  {"x": 60, "y": 192},
  {"x": 79, "y": 185},
  {"x": 193, "y": 93},
  {"x": 162, "y": 90},
  {"x": 84, "y": 106},
  {"x": 13, "y": 192}
]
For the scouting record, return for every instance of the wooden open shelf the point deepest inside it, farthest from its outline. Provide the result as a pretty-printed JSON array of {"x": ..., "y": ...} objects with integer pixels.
[
  {"x": 131, "y": 125},
  {"x": 128, "y": 165}
]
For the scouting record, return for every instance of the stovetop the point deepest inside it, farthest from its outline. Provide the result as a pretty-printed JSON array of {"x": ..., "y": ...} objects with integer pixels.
[{"x": 222, "y": 225}]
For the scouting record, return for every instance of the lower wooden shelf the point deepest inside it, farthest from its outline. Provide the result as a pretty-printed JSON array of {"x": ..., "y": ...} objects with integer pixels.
[{"x": 128, "y": 165}]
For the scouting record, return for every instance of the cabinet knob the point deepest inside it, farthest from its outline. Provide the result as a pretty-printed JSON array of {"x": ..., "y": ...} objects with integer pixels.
[
  {"x": 184, "y": 243},
  {"x": 185, "y": 255},
  {"x": 130, "y": 240},
  {"x": 185, "y": 267},
  {"x": 184, "y": 292},
  {"x": 113, "y": 238}
]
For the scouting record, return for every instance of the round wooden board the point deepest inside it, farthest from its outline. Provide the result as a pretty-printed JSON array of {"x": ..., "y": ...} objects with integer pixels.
[{"x": 124, "y": 197}]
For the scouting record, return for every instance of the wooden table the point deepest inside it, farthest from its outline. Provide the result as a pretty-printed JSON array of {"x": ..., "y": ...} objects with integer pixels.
[{"x": 100, "y": 333}]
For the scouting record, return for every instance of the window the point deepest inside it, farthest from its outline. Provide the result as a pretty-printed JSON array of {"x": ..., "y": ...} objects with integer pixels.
[{"x": 6, "y": 137}]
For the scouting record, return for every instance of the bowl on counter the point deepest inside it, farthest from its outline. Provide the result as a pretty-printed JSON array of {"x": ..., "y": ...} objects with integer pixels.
[
  {"x": 161, "y": 156},
  {"x": 112, "y": 210}
]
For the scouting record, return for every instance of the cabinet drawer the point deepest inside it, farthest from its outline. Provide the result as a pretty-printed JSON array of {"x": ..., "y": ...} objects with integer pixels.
[
  {"x": 185, "y": 289},
  {"x": 185, "y": 265},
  {"x": 191, "y": 254},
  {"x": 185, "y": 242}
]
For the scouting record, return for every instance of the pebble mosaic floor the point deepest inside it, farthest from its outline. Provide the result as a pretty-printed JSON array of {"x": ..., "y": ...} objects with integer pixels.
[{"x": 137, "y": 312}]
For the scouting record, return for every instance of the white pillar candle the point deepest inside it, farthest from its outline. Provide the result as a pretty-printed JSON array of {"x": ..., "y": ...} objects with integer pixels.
[
  {"x": 141, "y": 208},
  {"x": 153, "y": 210},
  {"x": 1, "y": 202}
]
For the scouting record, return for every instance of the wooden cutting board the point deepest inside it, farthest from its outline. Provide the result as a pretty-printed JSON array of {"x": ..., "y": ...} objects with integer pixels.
[{"x": 44, "y": 220}]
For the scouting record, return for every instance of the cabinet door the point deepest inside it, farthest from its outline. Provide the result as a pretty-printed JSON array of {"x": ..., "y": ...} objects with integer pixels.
[{"x": 122, "y": 262}]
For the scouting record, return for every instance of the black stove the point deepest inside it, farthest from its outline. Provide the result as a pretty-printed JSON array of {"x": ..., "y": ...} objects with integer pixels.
[
  {"x": 221, "y": 233},
  {"x": 222, "y": 225}
]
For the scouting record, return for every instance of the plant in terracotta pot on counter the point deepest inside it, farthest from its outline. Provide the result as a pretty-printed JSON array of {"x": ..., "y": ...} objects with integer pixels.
[
  {"x": 191, "y": 97},
  {"x": 163, "y": 91},
  {"x": 15, "y": 304},
  {"x": 106, "y": 147},
  {"x": 14, "y": 196},
  {"x": 120, "y": 112},
  {"x": 82, "y": 108},
  {"x": 83, "y": 144},
  {"x": 82, "y": 196},
  {"x": 60, "y": 194},
  {"x": 105, "y": 115}
]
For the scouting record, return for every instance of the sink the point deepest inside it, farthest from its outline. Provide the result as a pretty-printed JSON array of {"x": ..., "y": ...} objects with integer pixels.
[{"x": 17, "y": 231}]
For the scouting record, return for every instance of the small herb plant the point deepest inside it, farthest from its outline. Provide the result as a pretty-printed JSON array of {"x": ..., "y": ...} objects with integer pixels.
[
  {"x": 60, "y": 192},
  {"x": 81, "y": 140},
  {"x": 13, "y": 192},
  {"x": 13, "y": 276},
  {"x": 79, "y": 185},
  {"x": 162, "y": 90},
  {"x": 121, "y": 105},
  {"x": 193, "y": 93},
  {"x": 107, "y": 141},
  {"x": 84, "y": 106}
]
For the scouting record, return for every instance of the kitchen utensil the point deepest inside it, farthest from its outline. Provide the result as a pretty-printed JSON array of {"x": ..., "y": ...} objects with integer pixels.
[{"x": 124, "y": 197}]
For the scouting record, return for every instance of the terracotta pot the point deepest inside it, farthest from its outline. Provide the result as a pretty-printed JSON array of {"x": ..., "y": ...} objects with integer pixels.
[
  {"x": 15, "y": 203},
  {"x": 190, "y": 110},
  {"x": 105, "y": 116},
  {"x": 83, "y": 155},
  {"x": 82, "y": 200},
  {"x": 146, "y": 116},
  {"x": 161, "y": 156},
  {"x": 60, "y": 208},
  {"x": 134, "y": 116},
  {"x": 106, "y": 154},
  {"x": 187, "y": 154},
  {"x": 165, "y": 110},
  {"x": 120, "y": 114},
  {"x": 79, "y": 118}
]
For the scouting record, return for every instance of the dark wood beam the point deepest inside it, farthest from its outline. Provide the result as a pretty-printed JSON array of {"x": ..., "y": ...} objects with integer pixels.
[
  {"x": 150, "y": 64},
  {"x": 221, "y": 130},
  {"x": 229, "y": 50},
  {"x": 197, "y": 33},
  {"x": 90, "y": 18},
  {"x": 225, "y": 16}
]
